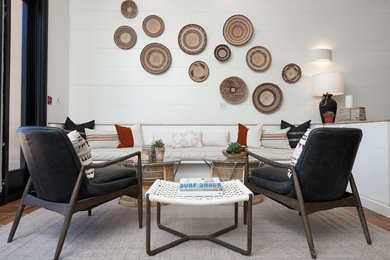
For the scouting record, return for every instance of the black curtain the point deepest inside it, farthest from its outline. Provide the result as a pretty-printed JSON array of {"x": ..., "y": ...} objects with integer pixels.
[
  {"x": 34, "y": 83},
  {"x": 34, "y": 63}
]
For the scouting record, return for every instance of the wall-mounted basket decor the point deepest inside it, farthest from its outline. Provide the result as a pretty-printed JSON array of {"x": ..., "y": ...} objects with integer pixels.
[
  {"x": 233, "y": 90},
  {"x": 222, "y": 52},
  {"x": 238, "y": 30},
  {"x": 291, "y": 73},
  {"x": 258, "y": 58},
  {"x": 153, "y": 25},
  {"x": 125, "y": 37},
  {"x": 155, "y": 58},
  {"x": 198, "y": 71},
  {"x": 129, "y": 9},
  {"x": 192, "y": 39},
  {"x": 267, "y": 98}
]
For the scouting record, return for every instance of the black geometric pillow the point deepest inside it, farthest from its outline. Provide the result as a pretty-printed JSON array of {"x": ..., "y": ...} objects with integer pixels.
[
  {"x": 296, "y": 132},
  {"x": 71, "y": 126}
]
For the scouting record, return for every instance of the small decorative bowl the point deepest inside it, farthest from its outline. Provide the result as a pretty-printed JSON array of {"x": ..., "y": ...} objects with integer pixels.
[{"x": 233, "y": 156}]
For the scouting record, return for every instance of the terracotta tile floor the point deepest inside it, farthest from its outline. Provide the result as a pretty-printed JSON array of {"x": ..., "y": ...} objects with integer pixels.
[
  {"x": 7, "y": 214},
  {"x": 8, "y": 211}
]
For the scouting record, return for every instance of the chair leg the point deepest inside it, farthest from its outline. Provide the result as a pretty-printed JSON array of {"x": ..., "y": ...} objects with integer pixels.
[
  {"x": 360, "y": 211},
  {"x": 309, "y": 236},
  {"x": 64, "y": 231},
  {"x": 16, "y": 222},
  {"x": 140, "y": 205},
  {"x": 19, "y": 212},
  {"x": 364, "y": 223},
  {"x": 305, "y": 219}
]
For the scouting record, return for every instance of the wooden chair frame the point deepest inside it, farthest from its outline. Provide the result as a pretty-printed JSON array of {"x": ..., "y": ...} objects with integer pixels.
[
  {"x": 306, "y": 208},
  {"x": 75, "y": 205}
]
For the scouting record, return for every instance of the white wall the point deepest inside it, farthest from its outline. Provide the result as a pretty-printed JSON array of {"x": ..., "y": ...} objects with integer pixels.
[
  {"x": 109, "y": 85},
  {"x": 58, "y": 60}
]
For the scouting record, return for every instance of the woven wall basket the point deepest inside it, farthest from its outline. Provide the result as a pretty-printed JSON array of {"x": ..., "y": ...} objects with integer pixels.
[
  {"x": 198, "y": 71},
  {"x": 129, "y": 9},
  {"x": 153, "y": 25},
  {"x": 192, "y": 39},
  {"x": 155, "y": 58},
  {"x": 267, "y": 98},
  {"x": 258, "y": 58},
  {"x": 222, "y": 52},
  {"x": 125, "y": 37},
  {"x": 238, "y": 30},
  {"x": 233, "y": 90},
  {"x": 291, "y": 73}
]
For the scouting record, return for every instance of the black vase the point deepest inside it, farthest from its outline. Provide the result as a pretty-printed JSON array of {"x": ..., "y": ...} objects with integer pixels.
[{"x": 327, "y": 104}]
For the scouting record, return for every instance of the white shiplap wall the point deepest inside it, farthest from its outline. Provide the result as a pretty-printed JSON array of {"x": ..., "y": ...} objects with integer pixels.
[{"x": 109, "y": 85}]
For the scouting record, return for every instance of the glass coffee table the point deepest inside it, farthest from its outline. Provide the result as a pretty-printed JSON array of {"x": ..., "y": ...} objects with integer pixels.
[
  {"x": 231, "y": 169},
  {"x": 151, "y": 171}
]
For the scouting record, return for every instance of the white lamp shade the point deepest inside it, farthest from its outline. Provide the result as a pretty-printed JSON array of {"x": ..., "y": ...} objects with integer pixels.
[
  {"x": 320, "y": 54},
  {"x": 328, "y": 82}
]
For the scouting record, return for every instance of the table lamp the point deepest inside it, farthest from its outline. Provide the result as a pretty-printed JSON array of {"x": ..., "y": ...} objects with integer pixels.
[{"x": 328, "y": 84}]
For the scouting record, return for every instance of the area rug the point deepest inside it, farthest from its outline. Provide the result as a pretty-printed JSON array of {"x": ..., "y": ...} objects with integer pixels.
[{"x": 112, "y": 233}]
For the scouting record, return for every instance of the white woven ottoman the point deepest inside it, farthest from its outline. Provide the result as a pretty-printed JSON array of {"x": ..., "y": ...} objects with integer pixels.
[{"x": 167, "y": 192}]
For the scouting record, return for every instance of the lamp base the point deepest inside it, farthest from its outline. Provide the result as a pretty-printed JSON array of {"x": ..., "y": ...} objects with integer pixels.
[{"x": 327, "y": 104}]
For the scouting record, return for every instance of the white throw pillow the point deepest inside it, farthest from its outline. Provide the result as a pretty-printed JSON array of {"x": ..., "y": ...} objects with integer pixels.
[
  {"x": 83, "y": 151},
  {"x": 187, "y": 139},
  {"x": 165, "y": 136},
  {"x": 298, "y": 150},
  {"x": 102, "y": 138},
  {"x": 253, "y": 137},
  {"x": 275, "y": 138},
  {"x": 216, "y": 138},
  {"x": 137, "y": 134}
]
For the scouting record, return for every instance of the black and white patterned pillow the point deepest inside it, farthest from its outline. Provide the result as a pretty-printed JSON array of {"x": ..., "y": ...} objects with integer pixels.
[
  {"x": 83, "y": 151},
  {"x": 296, "y": 132},
  {"x": 298, "y": 150}
]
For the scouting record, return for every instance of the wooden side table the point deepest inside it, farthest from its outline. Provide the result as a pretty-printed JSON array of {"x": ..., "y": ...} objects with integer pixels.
[{"x": 151, "y": 171}]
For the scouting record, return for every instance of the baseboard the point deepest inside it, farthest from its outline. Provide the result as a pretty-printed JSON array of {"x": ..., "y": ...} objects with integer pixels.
[{"x": 376, "y": 206}]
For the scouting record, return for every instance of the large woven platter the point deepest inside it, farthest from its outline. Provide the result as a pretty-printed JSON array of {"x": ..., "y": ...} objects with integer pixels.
[
  {"x": 198, "y": 71},
  {"x": 233, "y": 90},
  {"x": 125, "y": 37},
  {"x": 222, "y": 52},
  {"x": 291, "y": 73},
  {"x": 192, "y": 39},
  {"x": 129, "y": 9},
  {"x": 238, "y": 30},
  {"x": 267, "y": 98},
  {"x": 153, "y": 25},
  {"x": 155, "y": 58},
  {"x": 258, "y": 58}
]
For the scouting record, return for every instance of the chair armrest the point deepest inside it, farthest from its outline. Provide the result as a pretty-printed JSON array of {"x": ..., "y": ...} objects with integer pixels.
[
  {"x": 118, "y": 160},
  {"x": 264, "y": 160},
  {"x": 108, "y": 163},
  {"x": 268, "y": 161},
  {"x": 80, "y": 178}
]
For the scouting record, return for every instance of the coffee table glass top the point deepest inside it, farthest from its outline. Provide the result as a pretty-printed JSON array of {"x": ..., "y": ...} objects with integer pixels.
[
  {"x": 176, "y": 161},
  {"x": 226, "y": 160}
]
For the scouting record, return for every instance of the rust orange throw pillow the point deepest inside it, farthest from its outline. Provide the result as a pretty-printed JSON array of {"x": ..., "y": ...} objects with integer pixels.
[
  {"x": 242, "y": 133},
  {"x": 125, "y": 136}
]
